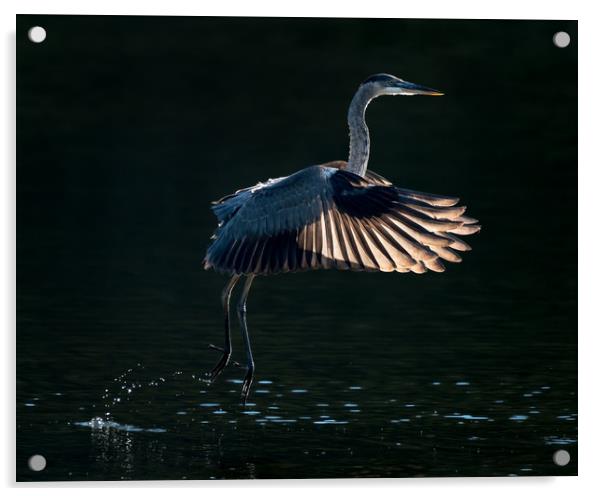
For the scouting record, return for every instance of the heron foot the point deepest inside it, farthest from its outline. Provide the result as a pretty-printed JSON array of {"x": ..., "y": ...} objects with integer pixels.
[
  {"x": 222, "y": 363},
  {"x": 219, "y": 366},
  {"x": 246, "y": 385}
]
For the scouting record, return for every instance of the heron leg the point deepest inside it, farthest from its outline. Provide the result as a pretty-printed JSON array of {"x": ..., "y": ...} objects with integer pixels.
[
  {"x": 242, "y": 317},
  {"x": 227, "y": 350}
]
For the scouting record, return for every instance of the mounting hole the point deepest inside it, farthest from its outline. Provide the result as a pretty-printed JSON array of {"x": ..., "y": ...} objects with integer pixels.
[
  {"x": 561, "y": 458},
  {"x": 37, "y": 463},
  {"x": 561, "y": 39},
  {"x": 37, "y": 34}
]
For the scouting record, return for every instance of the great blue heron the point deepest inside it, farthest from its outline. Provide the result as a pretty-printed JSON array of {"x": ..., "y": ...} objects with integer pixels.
[{"x": 335, "y": 215}]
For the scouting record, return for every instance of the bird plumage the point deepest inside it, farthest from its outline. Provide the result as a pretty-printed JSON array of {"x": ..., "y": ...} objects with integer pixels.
[
  {"x": 336, "y": 215},
  {"x": 325, "y": 217}
]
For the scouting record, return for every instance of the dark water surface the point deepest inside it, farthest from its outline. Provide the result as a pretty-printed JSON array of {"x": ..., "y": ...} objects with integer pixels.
[{"x": 125, "y": 141}]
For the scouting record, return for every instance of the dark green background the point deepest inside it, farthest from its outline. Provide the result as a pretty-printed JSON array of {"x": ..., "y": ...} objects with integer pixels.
[{"x": 127, "y": 127}]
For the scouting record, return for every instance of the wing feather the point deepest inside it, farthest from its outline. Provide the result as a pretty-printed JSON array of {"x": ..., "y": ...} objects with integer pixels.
[
  {"x": 325, "y": 217},
  {"x": 368, "y": 257},
  {"x": 342, "y": 256},
  {"x": 351, "y": 241},
  {"x": 385, "y": 261},
  {"x": 429, "y": 198}
]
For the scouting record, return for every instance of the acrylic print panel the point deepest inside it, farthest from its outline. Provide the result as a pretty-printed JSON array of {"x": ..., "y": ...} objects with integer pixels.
[{"x": 129, "y": 127}]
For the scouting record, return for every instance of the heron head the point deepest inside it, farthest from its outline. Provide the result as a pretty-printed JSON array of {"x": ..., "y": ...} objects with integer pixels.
[{"x": 386, "y": 84}]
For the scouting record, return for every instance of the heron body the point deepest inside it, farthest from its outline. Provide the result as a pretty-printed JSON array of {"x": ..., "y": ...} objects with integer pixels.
[{"x": 338, "y": 215}]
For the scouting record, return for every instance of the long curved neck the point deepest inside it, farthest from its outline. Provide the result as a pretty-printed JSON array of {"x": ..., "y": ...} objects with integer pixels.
[{"x": 359, "y": 137}]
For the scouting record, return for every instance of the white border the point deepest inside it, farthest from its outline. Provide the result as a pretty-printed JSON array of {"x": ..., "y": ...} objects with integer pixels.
[
  {"x": 590, "y": 219},
  {"x": 513, "y": 9}
]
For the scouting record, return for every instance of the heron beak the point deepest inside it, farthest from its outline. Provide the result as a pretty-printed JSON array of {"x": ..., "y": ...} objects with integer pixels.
[{"x": 408, "y": 88}]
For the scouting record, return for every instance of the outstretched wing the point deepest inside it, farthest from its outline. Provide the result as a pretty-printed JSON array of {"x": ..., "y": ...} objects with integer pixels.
[{"x": 322, "y": 217}]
